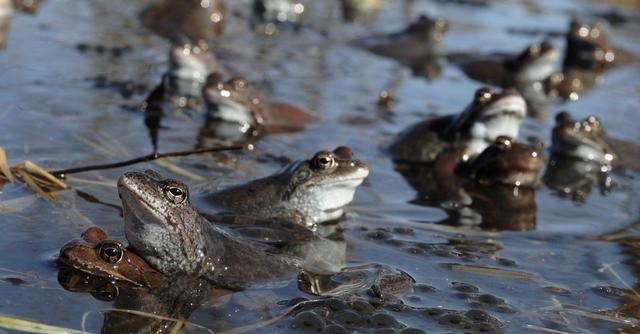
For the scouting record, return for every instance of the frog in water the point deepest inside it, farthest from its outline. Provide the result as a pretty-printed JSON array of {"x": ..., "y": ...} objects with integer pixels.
[
  {"x": 587, "y": 55},
  {"x": 236, "y": 102},
  {"x": 97, "y": 255},
  {"x": 535, "y": 63},
  {"x": 417, "y": 46},
  {"x": 6, "y": 10},
  {"x": 419, "y": 40},
  {"x": 306, "y": 192},
  {"x": 189, "y": 66},
  {"x": 164, "y": 228},
  {"x": 506, "y": 162},
  {"x": 503, "y": 175},
  {"x": 490, "y": 114},
  {"x": 584, "y": 140}
]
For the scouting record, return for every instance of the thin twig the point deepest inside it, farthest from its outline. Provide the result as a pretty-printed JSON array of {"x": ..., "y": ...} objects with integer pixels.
[{"x": 61, "y": 173}]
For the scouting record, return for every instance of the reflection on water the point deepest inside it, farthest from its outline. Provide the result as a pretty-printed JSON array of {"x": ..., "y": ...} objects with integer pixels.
[{"x": 485, "y": 259}]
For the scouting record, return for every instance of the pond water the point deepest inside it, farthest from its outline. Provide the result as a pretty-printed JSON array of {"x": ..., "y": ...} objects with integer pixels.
[{"x": 557, "y": 277}]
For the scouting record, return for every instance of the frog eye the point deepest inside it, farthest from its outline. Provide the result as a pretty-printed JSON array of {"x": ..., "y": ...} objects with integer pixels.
[
  {"x": 238, "y": 83},
  {"x": 503, "y": 143},
  {"x": 111, "y": 252},
  {"x": 324, "y": 160},
  {"x": 175, "y": 193},
  {"x": 483, "y": 95}
]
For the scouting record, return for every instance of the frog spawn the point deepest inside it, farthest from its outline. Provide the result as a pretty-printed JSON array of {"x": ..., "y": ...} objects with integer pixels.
[{"x": 338, "y": 316}]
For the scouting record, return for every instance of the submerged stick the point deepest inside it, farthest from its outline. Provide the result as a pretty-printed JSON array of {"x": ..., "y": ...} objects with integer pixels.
[{"x": 61, "y": 173}]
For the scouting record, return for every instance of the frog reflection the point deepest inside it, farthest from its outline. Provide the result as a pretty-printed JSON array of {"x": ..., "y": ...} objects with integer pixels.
[{"x": 477, "y": 191}]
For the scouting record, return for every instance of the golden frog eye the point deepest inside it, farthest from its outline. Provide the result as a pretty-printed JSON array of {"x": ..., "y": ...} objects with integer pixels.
[
  {"x": 324, "y": 160},
  {"x": 238, "y": 83},
  {"x": 110, "y": 251},
  {"x": 483, "y": 95},
  {"x": 503, "y": 143},
  {"x": 175, "y": 193}
]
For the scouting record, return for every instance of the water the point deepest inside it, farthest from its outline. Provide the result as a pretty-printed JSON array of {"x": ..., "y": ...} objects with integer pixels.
[{"x": 53, "y": 115}]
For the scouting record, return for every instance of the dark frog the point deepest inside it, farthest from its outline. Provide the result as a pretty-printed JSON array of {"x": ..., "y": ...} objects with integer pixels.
[
  {"x": 97, "y": 255},
  {"x": 306, "y": 192},
  {"x": 584, "y": 139},
  {"x": 417, "y": 46},
  {"x": 507, "y": 162},
  {"x": 536, "y": 63},
  {"x": 489, "y": 115}
]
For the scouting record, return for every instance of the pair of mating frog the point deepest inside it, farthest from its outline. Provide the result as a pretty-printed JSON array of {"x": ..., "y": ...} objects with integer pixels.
[{"x": 173, "y": 237}]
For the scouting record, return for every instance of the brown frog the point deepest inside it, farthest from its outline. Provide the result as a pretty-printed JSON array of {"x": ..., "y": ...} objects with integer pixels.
[
  {"x": 584, "y": 139},
  {"x": 97, "y": 255},
  {"x": 489, "y": 115},
  {"x": 507, "y": 162},
  {"x": 503, "y": 175},
  {"x": 587, "y": 55},
  {"x": 535, "y": 63},
  {"x": 236, "y": 101}
]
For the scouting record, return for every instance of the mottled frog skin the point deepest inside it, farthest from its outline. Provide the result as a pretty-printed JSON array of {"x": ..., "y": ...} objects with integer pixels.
[
  {"x": 306, "y": 192},
  {"x": 164, "y": 228}
]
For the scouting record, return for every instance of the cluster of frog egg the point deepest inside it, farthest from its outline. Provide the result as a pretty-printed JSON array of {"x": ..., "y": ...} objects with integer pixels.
[{"x": 338, "y": 316}]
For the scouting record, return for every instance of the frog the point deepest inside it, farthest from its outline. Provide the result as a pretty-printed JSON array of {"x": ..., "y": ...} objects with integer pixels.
[
  {"x": 476, "y": 191},
  {"x": 420, "y": 39},
  {"x": 588, "y": 54},
  {"x": 306, "y": 192},
  {"x": 584, "y": 139},
  {"x": 507, "y": 162},
  {"x": 417, "y": 46},
  {"x": 489, "y": 115},
  {"x": 200, "y": 22},
  {"x": 164, "y": 228},
  {"x": 235, "y": 101},
  {"x": 535, "y": 63},
  {"x": 98, "y": 255},
  {"x": 584, "y": 155}
]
